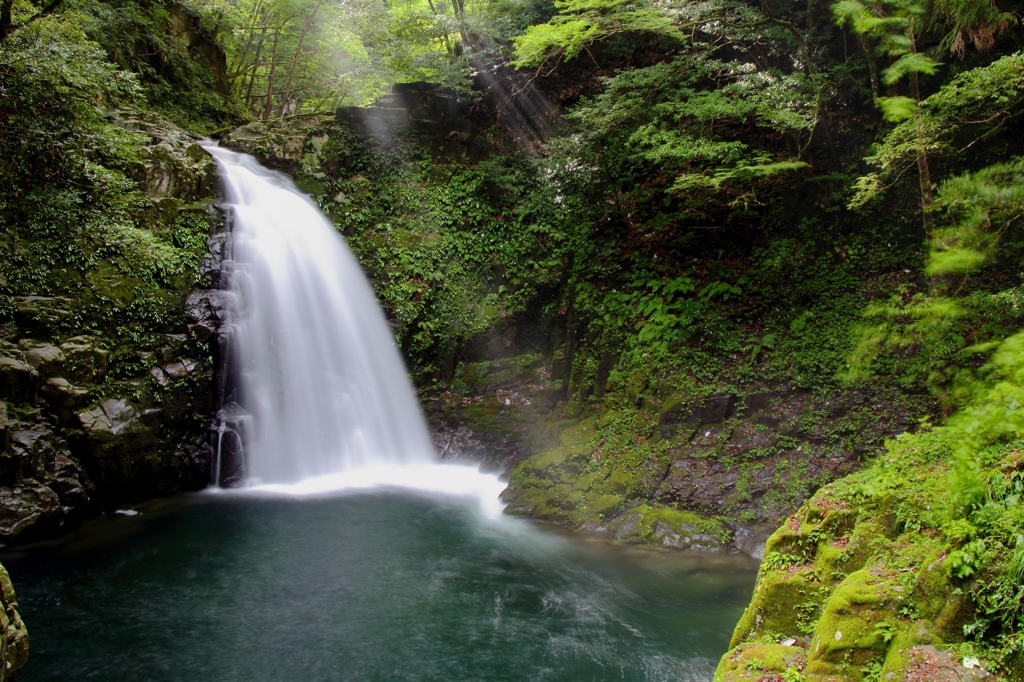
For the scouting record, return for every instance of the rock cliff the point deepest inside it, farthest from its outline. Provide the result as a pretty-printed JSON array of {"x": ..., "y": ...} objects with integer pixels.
[{"x": 98, "y": 411}]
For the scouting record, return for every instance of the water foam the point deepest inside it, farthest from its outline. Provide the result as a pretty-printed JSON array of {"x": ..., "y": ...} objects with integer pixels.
[{"x": 428, "y": 478}]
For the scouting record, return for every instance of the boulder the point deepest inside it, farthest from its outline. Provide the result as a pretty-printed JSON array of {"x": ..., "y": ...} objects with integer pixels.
[
  {"x": 209, "y": 308},
  {"x": 120, "y": 414},
  {"x": 18, "y": 381},
  {"x": 159, "y": 376},
  {"x": 63, "y": 398},
  {"x": 25, "y": 506},
  {"x": 45, "y": 358},
  {"x": 67, "y": 480},
  {"x": 43, "y": 315},
  {"x": 95, "y": 420},
  {"x": 5, "y": 427},
  {"x": 179, "y": 369},
  {"x": 750, "y": 540},
  {"x": 86, "y": 361}
]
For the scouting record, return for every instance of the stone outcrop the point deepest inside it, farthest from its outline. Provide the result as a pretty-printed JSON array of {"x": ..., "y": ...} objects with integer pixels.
[
  {"x": 849, "y": 590},
  {"x": 278, "y": 144},
  {"x": 743, "y": 460}
]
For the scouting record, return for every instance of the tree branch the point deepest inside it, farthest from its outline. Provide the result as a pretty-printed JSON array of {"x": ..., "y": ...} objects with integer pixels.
[{"x": 7, "y": 26}]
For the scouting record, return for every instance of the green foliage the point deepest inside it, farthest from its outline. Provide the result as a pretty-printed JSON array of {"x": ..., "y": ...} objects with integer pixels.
[
  {"x": 580, "y": 23},
  {"x": 694, "y": 118},
  {"x": 937, "y": 338},
  {"x": 896, "y": 109},
  {"x": 977, "y": 457},
  {"x": 171, "y": 52},
  {"x": 76, "y": 224},
  {"x": 977, "y": 22},
  {"x": 966, "y": 561},
  {"x": 452, "y": 256},
  {"x": 54, "y": 78},
  {"x": 972, "y": 108},
  {"x": 792, "y": 675},
  {"x": 981, "y": 208},
  {"x": 775, "y": 561}
]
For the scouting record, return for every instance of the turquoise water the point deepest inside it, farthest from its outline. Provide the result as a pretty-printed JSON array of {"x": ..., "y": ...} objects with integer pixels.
[{"x": 385, "y": 585}]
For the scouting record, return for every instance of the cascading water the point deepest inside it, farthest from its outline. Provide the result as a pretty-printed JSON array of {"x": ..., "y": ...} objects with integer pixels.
[{"x": 318, "y": 370}]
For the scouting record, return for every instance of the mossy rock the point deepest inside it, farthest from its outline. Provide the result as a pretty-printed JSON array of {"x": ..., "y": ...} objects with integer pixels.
[
  {"x": 868, "y": 538},
  {"x": 658, "y": 524},
  {"x": 760, "y": 661},
  {"x": 602, "y": 505},
  {"x": 849, "y": 631},
  {"x": 778, "y": 604}
]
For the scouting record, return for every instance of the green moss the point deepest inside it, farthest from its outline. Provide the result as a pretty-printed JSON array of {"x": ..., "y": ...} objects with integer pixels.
[
  {"x": 602, "y": 505},
  {"x": 758, "y": 661},
  {"x": 845, "y": 632}
]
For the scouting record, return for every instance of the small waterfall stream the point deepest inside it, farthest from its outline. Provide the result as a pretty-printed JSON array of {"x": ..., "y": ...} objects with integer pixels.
[{"x": 321, "y": 386}]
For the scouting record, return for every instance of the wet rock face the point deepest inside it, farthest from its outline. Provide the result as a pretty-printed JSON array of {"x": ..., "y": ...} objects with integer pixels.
[
  {"x": 463, "y": 445},
  {"x": 429, "y": 112},
  {"x": 17, "y": 379},
  {"x": 209, "y": 309},
  {"x": 72, "y": 440},
  {"x": 426, "y": 112},
  {"x": 41, "y": 484},
  {"x": 669, "y": 528},
  {"x": 744, "y": 458},
  {"x": 276, "y": 144}
]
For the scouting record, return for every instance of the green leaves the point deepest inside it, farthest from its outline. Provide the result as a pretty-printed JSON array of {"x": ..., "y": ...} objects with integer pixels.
[
  {"x": 721, "y": 290},
  {"x": 980, "y": 208},
  {"x": 581, "y": 22},
  {"x": 966, "y": 561},
  {"x": 755, "y": 345},
  {"x": 569, "y": 36},
  {"x": 907, "y": 64},
  {"x": 697, "y": 118},
  {"x": 973, "y": 107},
  {"x": 896, "y": 109}
]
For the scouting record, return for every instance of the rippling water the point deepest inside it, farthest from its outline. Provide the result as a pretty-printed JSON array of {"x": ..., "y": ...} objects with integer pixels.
[{"x": 369, "y": 585}]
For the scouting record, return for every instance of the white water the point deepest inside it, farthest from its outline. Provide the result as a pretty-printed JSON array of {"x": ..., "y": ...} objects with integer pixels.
[{"x": 330, "y": 402}]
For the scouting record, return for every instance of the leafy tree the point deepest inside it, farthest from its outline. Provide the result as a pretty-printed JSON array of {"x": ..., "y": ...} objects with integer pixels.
[
  {"x": 895, "y": 28},
  {"x": 937, "y": 339},
  {"x": 15, "y": 14},
  {"x": 579, "y": 23},
  {"x": 974, "y": 107}
]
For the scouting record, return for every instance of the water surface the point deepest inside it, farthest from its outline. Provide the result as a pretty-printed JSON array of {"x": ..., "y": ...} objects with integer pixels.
[{"x": 373, "y": 585}]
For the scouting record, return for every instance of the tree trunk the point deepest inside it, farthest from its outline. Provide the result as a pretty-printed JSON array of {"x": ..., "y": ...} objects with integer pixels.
[
  {"x": 7, "y": 26},
  {"x": 295, "y": 59},
  {"x": 869, "y": 56},
  {"x": 268, "y": 105},
  {"x": 5, "y": 19},
  {"x": 925, "y": 174},
  {"x": 923, "y": 171},
  {"x": 570, "y": 350},
  {"x": 255, "y": 66},
  {"x": 244, "y": 54}
]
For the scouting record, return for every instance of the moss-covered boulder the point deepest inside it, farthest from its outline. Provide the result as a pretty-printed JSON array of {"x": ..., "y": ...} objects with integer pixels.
[
  {"x": 13, "y": 633},
  {"x": 861, "y": 579}
]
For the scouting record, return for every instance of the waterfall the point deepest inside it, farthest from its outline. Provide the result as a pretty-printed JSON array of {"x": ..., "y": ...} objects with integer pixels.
[{"x": 319, "y": 375}]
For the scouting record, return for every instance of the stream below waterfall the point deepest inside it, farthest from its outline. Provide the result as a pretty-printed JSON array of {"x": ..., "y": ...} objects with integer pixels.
[{"x": 377, "y": 584}]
